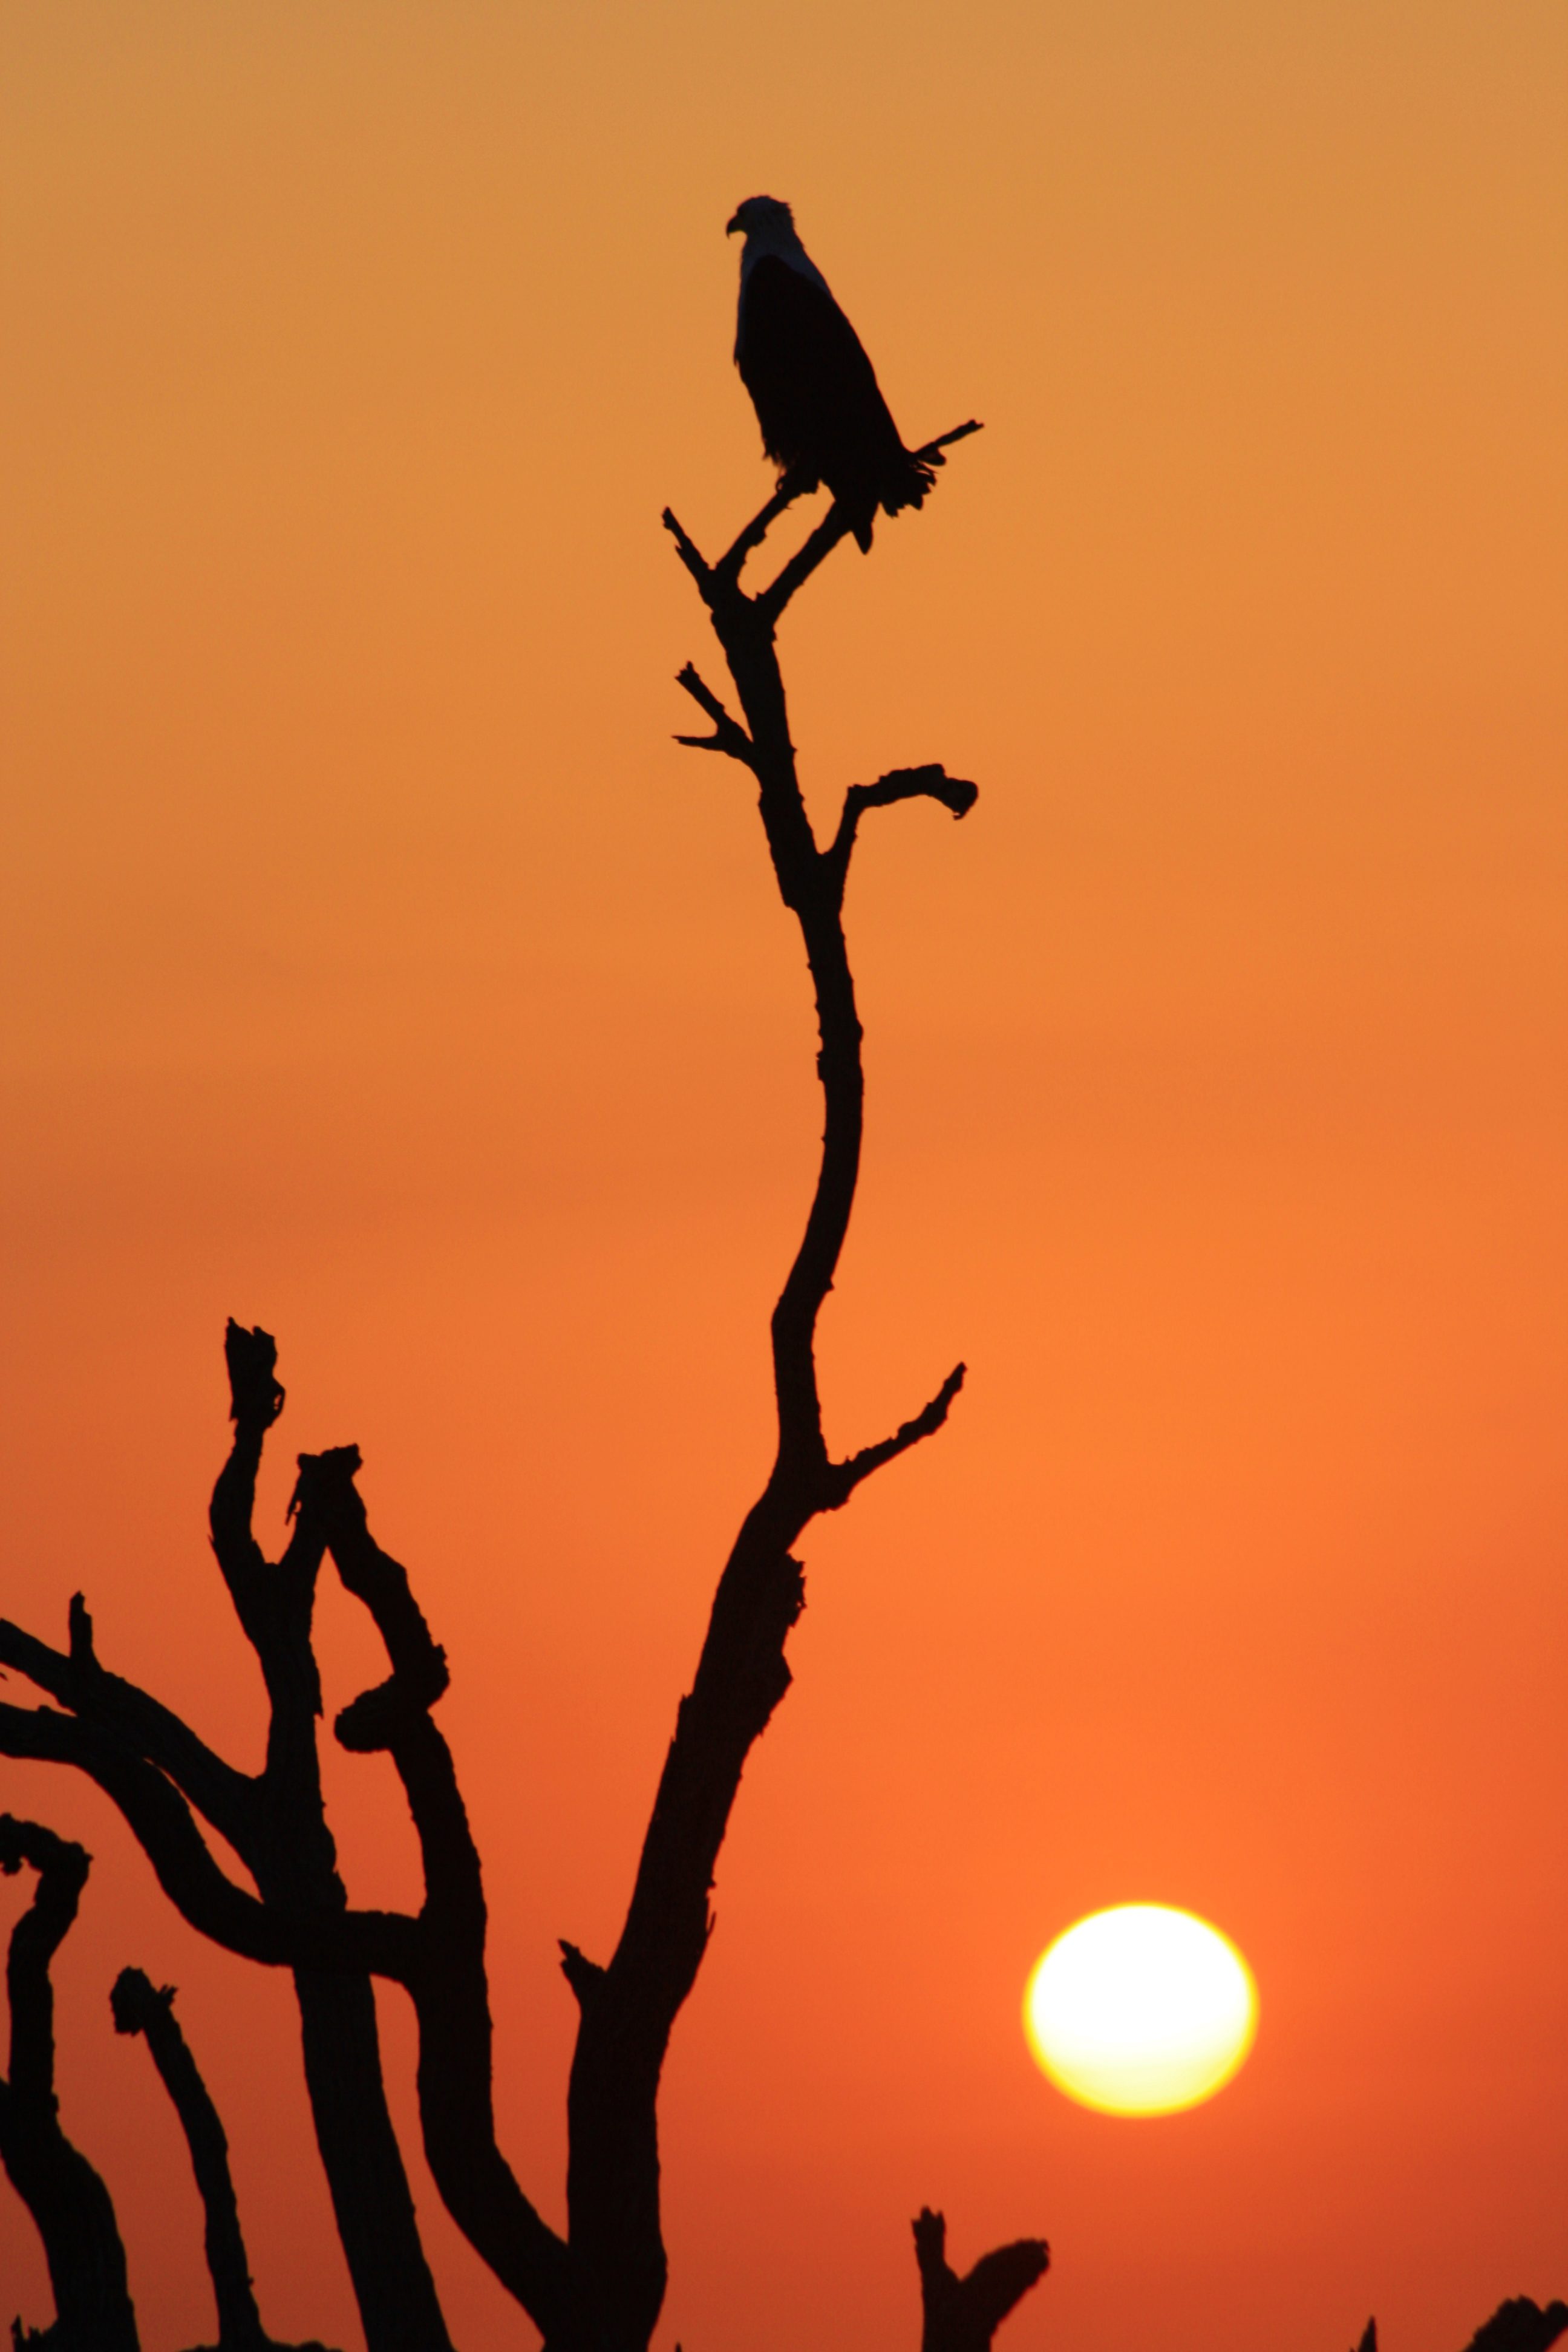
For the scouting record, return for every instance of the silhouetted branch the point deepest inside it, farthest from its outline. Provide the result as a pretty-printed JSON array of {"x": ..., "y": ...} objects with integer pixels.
[
  {"x": 728, "y": 735},
  {"x": 1521, "y": 2325},
  {"x": 69, "y": 2202},
  {"x": 217, "y": 1790},
  {"x": 295, "y": 1862},
  {"x": 628, "y": 2008},
  {"x": 584, "y": 1976},
  {"x": 721, "y": 579},
  {"x": 162, "y": 1824},
  {"x": 1518, "y": 2326},
  {"x": 963, "y": 2315},
  {"x": 691, "y": 554},
  {"x": 846, "y": 1476},
  {"x": 143, "y": 1758},
  {"x": 791, "y": 485},
  {"x": 946, "y": 440},
  {"x": 930, "y": 783},
  {"x": 601, "y": 2289},
  {"x": 447, "y": 1980},
  {"x": 256, "y": 1394},
  {"x": 203, "y": 1894},
  {"x": 835, "y": 525},
  {"x": 138, "y": 2009}
]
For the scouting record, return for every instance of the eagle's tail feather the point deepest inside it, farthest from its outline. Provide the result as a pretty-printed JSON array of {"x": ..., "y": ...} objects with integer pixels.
[{"x": 908, "y": 485}]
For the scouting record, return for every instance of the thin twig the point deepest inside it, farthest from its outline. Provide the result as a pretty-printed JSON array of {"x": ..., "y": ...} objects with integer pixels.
[
  {"x": 690, "y": 554},
  {"x": 791, "y": 486},
  {"x": 946, "y": 440},
  {"x": 845, "y": 1476},
  {"x": 729, "y": 736},
  {"x": 836, "y": 524}
]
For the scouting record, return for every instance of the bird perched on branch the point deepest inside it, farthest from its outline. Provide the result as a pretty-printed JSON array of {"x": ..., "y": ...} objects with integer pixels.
[{"x": 816, "y": 392}]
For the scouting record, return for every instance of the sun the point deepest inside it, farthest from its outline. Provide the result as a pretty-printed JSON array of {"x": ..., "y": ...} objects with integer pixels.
[{"x": 1140, "y": 2011}]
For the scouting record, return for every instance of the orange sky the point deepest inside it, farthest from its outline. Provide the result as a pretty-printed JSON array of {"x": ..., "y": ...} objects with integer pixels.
[{"x": 379, "y": 971}]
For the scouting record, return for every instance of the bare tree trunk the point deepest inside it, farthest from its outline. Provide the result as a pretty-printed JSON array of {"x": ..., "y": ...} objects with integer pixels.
[
  {"x": 372, "y": 2202},
  {"x": 69, "y": 2202}
]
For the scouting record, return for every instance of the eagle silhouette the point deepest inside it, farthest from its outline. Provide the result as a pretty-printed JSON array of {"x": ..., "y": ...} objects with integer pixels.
[{"x": 816, "y": 392}]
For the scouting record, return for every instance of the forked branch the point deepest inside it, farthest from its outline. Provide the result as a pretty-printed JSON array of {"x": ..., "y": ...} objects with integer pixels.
[
  {"x": 721, "y": 580},
  {"x": 728, "y": 735},
  {"x": 963, "y": 2315},
  {"x": 153, "y": 1731}
]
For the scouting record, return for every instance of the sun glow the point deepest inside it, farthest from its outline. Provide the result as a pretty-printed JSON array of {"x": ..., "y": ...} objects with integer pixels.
[{"x": 1140, "y": 2011}]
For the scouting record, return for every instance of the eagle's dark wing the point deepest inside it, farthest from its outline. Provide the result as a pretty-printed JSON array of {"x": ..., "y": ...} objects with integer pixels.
[{"x": 816, "y": 395}]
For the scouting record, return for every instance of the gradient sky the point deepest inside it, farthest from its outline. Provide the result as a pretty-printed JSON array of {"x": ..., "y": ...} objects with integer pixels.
[{"x": 377, "y": 970}]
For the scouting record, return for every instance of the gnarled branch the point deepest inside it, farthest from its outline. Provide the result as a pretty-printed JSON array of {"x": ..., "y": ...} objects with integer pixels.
[
  {"x": 931, "y": 782},
  {"x": 138, "y": 2008},
  {"x": 70, "y": 2206},
  {"x": 963, "y": 2315},
  {"x": 158, "y": 1814},
  {"x": 150, "y": 1764},
  {"x": 79, "y": 1682},
  {"x": 447, "y": 1978}
]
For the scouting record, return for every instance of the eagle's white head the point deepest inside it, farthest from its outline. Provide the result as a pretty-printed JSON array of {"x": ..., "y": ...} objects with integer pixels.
[{"x": 768, "y": 227}]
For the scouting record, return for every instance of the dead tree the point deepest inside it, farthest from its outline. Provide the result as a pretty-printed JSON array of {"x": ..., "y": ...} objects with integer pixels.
[
  {"x": 156, "y": 1769},
  {"x": 601, "y": 2286},
  {"x": 73, "y": 2211}
]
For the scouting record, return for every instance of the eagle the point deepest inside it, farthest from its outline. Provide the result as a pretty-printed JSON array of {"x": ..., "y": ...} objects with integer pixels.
[{"x": 816, "y": 392}]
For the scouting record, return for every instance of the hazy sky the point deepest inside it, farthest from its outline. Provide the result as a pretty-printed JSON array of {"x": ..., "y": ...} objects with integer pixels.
[{"x": 378, "y": 969}]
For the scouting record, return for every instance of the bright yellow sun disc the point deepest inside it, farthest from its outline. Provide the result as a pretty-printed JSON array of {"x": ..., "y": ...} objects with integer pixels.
[{"x": 1140, "y": 2011}]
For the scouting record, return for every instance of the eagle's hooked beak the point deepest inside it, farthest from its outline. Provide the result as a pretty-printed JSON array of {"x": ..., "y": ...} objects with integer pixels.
[{"x": 732, "y": 223}]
